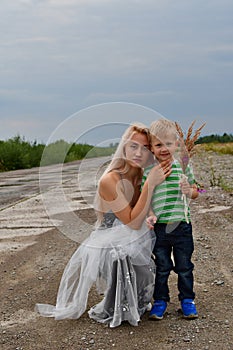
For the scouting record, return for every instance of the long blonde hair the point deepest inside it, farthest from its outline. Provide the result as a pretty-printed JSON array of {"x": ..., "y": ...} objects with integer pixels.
[{"x": 119, "y": 162}]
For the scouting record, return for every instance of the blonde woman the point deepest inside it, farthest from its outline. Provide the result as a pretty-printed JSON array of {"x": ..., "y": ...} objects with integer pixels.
[{"x": 117, "y": 254}]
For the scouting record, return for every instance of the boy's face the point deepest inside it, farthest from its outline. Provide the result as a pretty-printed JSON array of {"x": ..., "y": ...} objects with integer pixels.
[{"x": 164, "y": 148}]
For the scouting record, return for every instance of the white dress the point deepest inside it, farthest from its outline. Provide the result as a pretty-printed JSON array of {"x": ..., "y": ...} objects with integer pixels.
[{"x": 118, "y": 260}]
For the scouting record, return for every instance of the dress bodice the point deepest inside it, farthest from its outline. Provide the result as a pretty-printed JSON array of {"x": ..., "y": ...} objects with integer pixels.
[{"x": 108, "y": 220}]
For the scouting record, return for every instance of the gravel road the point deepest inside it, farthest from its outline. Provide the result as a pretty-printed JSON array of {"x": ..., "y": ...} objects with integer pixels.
[{"x": 34, "y": 250}]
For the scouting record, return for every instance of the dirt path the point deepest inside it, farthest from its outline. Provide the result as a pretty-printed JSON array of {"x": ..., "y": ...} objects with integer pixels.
[{"x": 32, "y": 275}]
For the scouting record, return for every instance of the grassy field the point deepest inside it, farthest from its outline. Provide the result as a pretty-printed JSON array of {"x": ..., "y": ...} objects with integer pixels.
[{"x": 222, "y": 148}]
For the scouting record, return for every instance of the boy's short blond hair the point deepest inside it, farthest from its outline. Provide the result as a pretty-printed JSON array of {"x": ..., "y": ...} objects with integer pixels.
[{"x": 162, "y": 127}]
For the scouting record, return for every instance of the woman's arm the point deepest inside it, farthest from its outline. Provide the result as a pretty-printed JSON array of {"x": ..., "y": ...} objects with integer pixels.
[{"x": 113, "y": 196}]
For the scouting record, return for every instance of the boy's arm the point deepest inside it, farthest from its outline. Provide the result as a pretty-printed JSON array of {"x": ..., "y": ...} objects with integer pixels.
[{"x": 150, "y": 212}]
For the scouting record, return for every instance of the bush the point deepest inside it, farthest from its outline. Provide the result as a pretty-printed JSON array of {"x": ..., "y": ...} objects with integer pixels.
[{"x": 16, "y": 153}]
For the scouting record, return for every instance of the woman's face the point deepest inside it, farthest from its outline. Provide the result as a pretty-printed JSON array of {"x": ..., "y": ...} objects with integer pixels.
[{"x": 137, "y": 150}]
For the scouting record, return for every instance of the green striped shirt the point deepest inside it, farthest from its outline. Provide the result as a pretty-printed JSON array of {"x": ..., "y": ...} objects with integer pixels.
[{"x": 166, "y": 202}]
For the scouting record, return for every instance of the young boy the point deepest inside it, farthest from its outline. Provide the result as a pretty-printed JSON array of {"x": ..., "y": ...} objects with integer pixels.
[{"x": 173, "y": 230}]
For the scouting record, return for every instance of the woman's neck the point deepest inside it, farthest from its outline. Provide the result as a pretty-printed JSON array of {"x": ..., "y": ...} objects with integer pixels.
[{"x": 133, "y": 175}]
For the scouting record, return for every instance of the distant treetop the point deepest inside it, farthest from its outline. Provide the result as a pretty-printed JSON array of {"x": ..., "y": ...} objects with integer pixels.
[{"x": 216, "y": 138}]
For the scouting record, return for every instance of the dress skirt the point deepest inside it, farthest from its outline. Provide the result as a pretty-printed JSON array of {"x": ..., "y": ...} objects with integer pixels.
[{"x": 117, "y": 260}]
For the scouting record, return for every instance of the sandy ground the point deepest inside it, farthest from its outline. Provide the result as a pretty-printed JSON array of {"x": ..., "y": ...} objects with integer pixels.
[{"x": 34, "y": 251}]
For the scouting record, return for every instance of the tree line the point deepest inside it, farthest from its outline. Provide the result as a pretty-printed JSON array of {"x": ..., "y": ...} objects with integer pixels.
[
  {"x": 216, "y": 138},
  {"x": 16, "y": 153}
]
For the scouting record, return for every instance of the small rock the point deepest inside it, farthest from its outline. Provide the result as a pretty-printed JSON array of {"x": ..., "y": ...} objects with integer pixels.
[
  {"x": 219, "y": 283},
  {"x": 186, "y": 339}
]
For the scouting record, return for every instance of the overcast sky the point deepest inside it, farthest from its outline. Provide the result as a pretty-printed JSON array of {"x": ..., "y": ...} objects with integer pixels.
[{"x": 59, "y": 58}]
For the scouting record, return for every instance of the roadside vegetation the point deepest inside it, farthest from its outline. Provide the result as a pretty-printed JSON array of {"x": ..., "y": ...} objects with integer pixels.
[
  {"x": 17, "y": 153},
  {"x": 222, "y": 148},
  {"x": 214, "y": 138},
  {"x": 216, "y": 143},
  {"x": 218, "y": 176}
]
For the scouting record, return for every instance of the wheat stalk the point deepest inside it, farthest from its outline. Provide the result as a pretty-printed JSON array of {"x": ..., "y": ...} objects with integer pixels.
[
  {"x": 186, "y": 152},
  {"x": 189, "y": 133},
  {"x": 179, "y": 130},
  {"x": 188, "y": 144},
  {"x": 184, "y": 155}
]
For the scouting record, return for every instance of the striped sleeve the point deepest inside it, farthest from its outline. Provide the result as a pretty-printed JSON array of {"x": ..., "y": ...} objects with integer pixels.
[{"x": 145, "y": 174}]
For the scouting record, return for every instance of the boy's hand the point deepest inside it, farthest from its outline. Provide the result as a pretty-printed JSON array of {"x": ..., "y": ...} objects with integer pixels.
[
  {"x": 150, "y": 221},
  {"x": 185, "y": 187}
]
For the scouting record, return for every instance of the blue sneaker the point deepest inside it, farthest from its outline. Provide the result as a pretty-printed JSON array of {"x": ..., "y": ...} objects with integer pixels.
[
  {"x": 158, "y": 310},
  {"x": 189, "y": 309}
]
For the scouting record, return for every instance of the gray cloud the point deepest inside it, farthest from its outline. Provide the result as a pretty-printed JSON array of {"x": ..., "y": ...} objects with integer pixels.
[{"x": 58, "y": 57}]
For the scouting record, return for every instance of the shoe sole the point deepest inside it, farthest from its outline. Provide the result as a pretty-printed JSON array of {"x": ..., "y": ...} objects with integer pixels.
[
  {"x": 190, "y": 317},
  {"x": 156, "y": 317}
]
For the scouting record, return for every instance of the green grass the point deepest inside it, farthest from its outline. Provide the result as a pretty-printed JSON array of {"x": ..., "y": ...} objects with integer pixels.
[{"x": 221, "y": 148}]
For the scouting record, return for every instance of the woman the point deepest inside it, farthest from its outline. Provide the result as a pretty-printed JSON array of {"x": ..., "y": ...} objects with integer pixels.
[{"x": 117, "y": 254}]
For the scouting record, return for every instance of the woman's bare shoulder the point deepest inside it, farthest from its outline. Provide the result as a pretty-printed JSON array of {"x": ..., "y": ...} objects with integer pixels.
[
  {"x": 108, "y": 186},
  {"x": 109, "y": 179}
]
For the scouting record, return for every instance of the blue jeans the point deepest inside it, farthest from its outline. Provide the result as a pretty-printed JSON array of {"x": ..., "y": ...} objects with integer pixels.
[{"x": 174, "y": 238}]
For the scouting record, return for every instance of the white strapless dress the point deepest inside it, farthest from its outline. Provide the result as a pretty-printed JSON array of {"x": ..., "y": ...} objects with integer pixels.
[{"x": 117, "y": 259}]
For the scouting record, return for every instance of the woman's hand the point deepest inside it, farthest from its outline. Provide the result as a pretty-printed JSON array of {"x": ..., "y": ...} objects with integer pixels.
[{"x": 159, "y": 173}]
